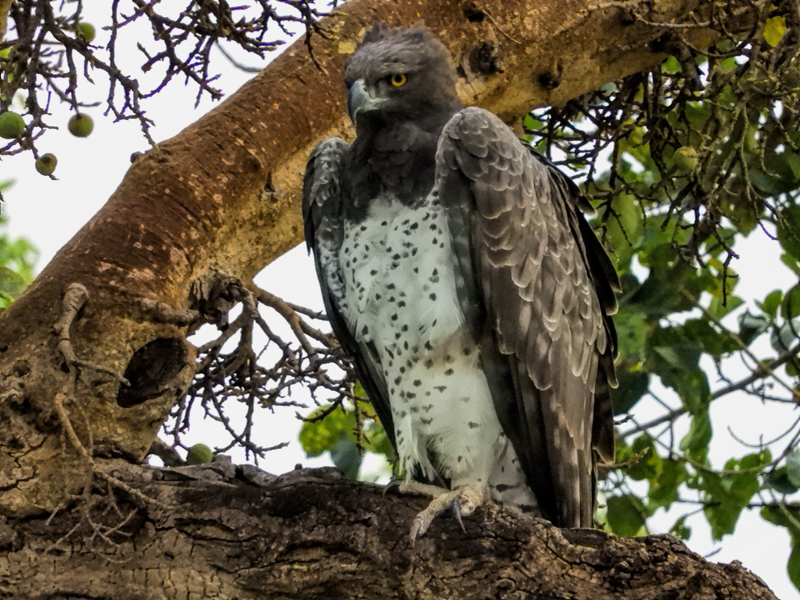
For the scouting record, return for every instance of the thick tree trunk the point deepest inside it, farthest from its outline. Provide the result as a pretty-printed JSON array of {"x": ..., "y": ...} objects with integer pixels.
[
  {"x": 229, "y": 532},
  {"x": 221, "y": 200}
]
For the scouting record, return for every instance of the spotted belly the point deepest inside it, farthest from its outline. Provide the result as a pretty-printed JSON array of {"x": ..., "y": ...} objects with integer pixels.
[{"x": 400, "y": 287}]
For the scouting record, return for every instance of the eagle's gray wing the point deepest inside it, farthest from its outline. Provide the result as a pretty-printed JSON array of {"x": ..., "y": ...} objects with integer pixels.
[
  {"x": 324, "y": 233},
  {"x": 535, "y": 275}
]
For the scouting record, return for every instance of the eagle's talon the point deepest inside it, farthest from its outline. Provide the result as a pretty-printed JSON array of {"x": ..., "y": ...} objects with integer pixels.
[
  {"x": 393, "y": 485},
  {"x": 462, "y": 501},
  {"x": 457, "y": 512},
  {"x": 418, "y": 527},
  {"x": 420, "y": 489}
]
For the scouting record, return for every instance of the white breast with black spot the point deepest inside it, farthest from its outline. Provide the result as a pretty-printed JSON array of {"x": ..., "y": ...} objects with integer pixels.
[{"x": 400, "y": 290}]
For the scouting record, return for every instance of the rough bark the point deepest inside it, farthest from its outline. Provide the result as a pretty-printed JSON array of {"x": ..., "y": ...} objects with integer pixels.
[{"x": 241, "y": 533}]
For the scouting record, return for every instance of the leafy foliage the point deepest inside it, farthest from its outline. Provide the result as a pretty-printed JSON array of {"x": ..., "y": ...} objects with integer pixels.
[
  {"x": 346, "y": 434},
  {"x": 17, "y": 258}
]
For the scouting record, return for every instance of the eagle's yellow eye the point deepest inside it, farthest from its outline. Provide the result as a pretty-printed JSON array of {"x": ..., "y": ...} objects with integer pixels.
[{"x": 398, "y": 79}]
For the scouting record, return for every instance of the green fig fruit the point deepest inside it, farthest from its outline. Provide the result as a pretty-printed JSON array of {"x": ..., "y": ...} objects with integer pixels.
[
  {"x": 46, "y": 163},
  {"x": 686, "y": 159},
  {"x": 86, "y": 31},
  {"x": 199, "y": 454},
  {"x": 80, "y": 125},
  {"x": 11, "y": 125}
]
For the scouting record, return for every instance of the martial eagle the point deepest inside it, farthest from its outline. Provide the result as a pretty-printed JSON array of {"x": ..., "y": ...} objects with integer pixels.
[{"x": 459, "y": 272}]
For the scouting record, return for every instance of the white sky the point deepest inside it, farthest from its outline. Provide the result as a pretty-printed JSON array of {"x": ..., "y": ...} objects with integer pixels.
[{"x": 50, "y": 212}]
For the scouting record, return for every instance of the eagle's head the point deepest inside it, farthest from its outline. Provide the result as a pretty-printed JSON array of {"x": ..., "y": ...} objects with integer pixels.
[{"x": 398, "y": 74}]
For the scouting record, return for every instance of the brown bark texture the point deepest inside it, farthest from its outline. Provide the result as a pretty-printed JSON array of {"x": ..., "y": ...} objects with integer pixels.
[{"x": 236, "y": 532}]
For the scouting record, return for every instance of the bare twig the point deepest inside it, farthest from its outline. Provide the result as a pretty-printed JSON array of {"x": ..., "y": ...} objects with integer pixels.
[
  {"x": 760, "y": 373},
  {"x": 66, "y": 424}
]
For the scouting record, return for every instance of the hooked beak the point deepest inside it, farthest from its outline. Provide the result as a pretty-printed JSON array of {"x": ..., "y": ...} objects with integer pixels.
[{"x": 359, "y": 101}]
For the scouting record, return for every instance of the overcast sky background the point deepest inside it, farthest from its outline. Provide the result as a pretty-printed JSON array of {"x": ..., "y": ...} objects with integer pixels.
[{"x": 50, "y": 212}]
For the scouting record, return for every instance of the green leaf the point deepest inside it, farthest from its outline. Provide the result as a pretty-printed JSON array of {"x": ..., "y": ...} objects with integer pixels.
[
  {"x": 697, "y": 113},
  {"x": 532, "y": 124},
  {"x": 744, "y": 485},
  {"x": 792, "y": 369},
  {"x": 751, "y": 326},
  {"x": 378, "y": 441},
  {"x": 679, "y": 356},
  {"x": 793, "y": 467},
  {"x": 11, "y": 282},
  {"x": 346, "y": 456},
  {"x": 680, "y": 529},
  {"x": 727, "y": 96},
  {"x": 692, "y": 386},
  {"x": 632, "y": 331},
  {"x": 729, "y": 493},
  {"x": 793, "y": 162},
  {"x": 649, "y": 465},
  {"x": 790, "y": 307},
  {"x": 724, "y": 45},
  {"x": 674, "y": 356},
  {"x": 783, "y": 516},
  {"x": 779, "y": 481},
  {"x": 720, "y": 306},
  {"x": 19, "y": 256},
  {"x": 336, "y": 433},
  {"x": 722, "y": 518},
  {"x": 321, "y": 436},
  {"x": 711, "y": 340},
  {"x": 625, "y": 515},
  {"x": 671, "y": 66},
  {"x": 793, "y": 566},
  {"x": 723, "y": 515},
  {"x": 785, "y": 337},
  {"x": 632, "y": 386},
  {"x": 789, "y": 230},
  {"x": 695, "y": 442},
  {"x": 624, "y": 227},
  {"x": 660, "y": 292},
  {"x": 791, "y": 262},
  {"x": 771, "y": 303},
  {"x": 774, "y": 30},
  {"x": 664, "y": 489}
]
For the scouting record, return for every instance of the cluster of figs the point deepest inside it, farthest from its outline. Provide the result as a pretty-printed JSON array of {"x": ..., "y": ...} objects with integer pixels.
[{"x": 12, "y": 125}]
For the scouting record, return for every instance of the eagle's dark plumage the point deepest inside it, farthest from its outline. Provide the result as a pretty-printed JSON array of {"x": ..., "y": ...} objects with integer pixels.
[{"x": 458, "y": 270}]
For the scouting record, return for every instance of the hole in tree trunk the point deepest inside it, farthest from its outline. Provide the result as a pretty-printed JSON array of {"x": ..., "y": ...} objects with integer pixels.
[{"x": 151, "y": 370}]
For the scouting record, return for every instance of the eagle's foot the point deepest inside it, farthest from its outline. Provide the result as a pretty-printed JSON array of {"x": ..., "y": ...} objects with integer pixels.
[
  {"x": 463, "y": 501},
  {"x": 413, "y": 487}
]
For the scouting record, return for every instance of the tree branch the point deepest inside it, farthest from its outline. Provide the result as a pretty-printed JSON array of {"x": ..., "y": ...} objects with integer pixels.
[
  {"x": 759, "y": 373},
  {"x": 243, "y": 533}
]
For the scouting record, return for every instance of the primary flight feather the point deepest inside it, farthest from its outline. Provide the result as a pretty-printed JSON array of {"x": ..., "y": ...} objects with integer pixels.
[{"x": 458, "y": 270}]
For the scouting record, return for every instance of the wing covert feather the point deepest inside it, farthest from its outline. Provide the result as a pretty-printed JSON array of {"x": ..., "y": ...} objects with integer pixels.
[{"x": 546, "y": 297}]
